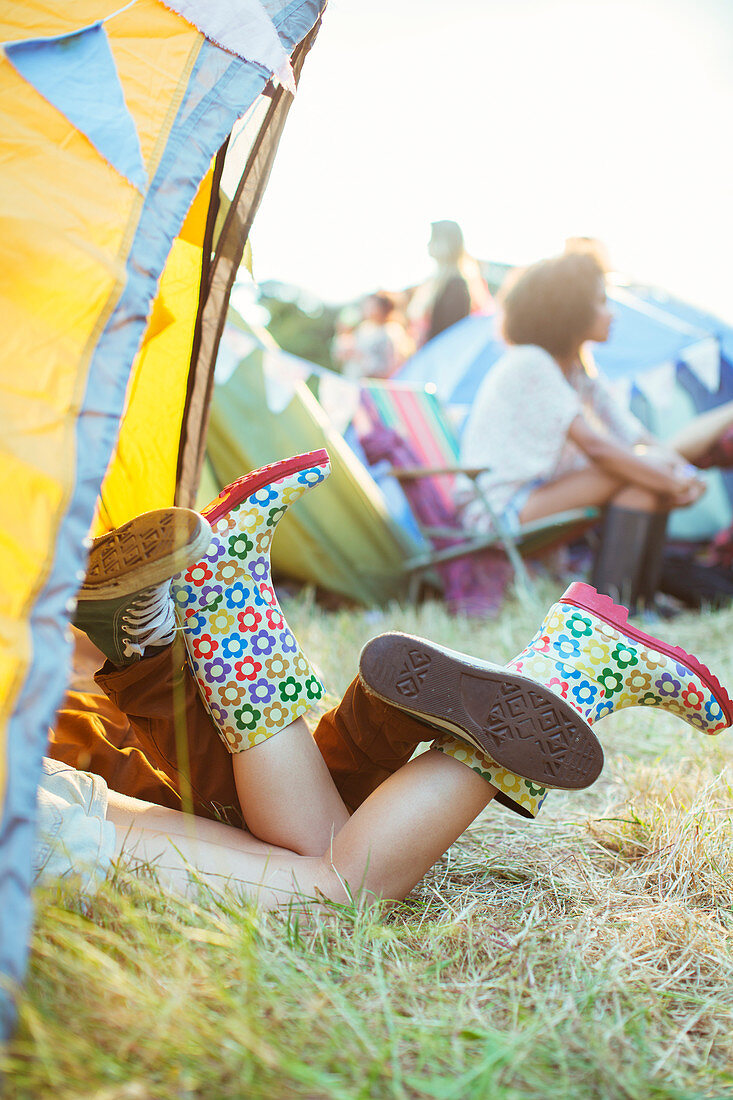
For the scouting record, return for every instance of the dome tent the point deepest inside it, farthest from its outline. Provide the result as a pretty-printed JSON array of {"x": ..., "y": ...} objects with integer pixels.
[
  {"x": 117, "y": 119},
  {"x": 342, "y": 539}
]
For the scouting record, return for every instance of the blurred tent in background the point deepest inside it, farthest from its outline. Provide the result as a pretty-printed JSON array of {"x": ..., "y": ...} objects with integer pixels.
[
  {"x": 342, "y": 538},
  {"x": 667, "y": 360},
  {"x": 137, "y": 140}
]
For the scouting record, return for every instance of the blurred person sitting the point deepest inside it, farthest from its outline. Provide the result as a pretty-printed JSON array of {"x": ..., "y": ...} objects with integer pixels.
[
  {"x": 455, "y": 290},
  {"x": 379, "y": 344},
  {"x": 555, "y": 437}
]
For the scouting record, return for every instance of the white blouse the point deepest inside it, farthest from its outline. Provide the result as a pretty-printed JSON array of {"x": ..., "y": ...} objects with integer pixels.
[{"x": 519, "y": 422}]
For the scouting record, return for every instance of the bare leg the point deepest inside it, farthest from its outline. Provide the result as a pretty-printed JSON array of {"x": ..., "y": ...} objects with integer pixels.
[
  {"x": 702, "y": 432},
  {"x": 407, "y": 823},
  {"x": 587, "y": 488},
  {"x": 381, "y": 852},
  {"x": 590, "y": 487},
  {"x": 286, "y": 793},
  {"x": 638, "y": 499},
  {"x": 219, "y": 856}
]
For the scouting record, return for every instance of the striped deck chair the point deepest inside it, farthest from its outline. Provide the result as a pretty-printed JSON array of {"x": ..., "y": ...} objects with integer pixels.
[{"x": 407, "y": 425}]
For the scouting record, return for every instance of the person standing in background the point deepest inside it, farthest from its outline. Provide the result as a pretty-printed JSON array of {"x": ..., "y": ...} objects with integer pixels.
[
  {"x": 379, "y": 344},
  {"x": 455, "y": 290}
]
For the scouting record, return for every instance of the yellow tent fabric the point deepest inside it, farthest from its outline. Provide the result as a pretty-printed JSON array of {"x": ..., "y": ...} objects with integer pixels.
[
  {"x": 63, "y": 268},
  {"x": 142, "y": 474},
  {"x": 100, "y": 163}
]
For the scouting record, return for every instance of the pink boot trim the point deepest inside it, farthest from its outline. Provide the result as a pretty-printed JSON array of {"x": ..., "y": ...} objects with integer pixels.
[
  {"x": 585, "y": 597},
  {"x": 245, "y": 486}
]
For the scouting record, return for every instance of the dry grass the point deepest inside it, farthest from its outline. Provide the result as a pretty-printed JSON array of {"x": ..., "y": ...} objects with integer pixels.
[{"x": 589, "y": 954}]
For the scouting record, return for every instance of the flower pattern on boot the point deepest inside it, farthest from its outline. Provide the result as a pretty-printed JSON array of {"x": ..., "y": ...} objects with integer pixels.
[
  {"x": 614, "y": 671},
  {"x": 528, "y": 795},
  {"x": 251, "y": 673},
  {"x": 608, "y": 671}
]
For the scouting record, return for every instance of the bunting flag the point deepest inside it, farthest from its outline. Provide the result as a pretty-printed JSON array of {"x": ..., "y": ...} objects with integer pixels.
[
  {"x": 235, "y": 346},
  {"x": 76, "y": 73},
  {"x": 243, "y": 28},
  {"x": 658, "y": 386},
  {"x": 703, "y": 359},
  {"x": 340, "y": 398},
  {"x": 623, "y": 387},
  {"x": 283, "y": 373}
]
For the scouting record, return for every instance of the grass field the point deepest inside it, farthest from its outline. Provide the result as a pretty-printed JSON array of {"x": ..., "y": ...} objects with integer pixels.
[{"x": 588, "y": 954}]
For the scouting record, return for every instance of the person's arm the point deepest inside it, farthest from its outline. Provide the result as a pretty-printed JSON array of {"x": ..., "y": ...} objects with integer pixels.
[
  {"x": 627, "y": 428},
  {"x": 664, "y": 475}
]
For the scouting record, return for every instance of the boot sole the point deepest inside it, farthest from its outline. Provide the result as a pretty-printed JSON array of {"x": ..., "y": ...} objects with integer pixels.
[
  {"x": 585, "y": 597},
  {"x": 149, "y": 549},
  {"x": 519, "y": 723}
]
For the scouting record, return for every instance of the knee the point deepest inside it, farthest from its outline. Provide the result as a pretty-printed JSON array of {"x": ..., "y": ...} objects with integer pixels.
[
  {"x": 298, "y": 842},
  {"x": 608, "y": 484},
  {"x": 639, "y": 499},
  {"x": 330, "y": 883}
]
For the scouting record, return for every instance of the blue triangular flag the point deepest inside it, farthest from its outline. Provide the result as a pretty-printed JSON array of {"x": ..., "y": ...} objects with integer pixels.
[{"x": 77, "y": 74}]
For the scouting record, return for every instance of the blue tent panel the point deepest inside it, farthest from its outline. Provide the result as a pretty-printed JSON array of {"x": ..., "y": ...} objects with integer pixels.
[{"x": 642, "y": 336}]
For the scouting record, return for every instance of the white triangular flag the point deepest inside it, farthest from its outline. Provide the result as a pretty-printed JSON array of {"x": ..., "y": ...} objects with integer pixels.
[
  {"x": 283, "y": 373},
  {"x": 658, "y": 385},
  {"x": 242, "y": 27},
  {"x": 339, "y": 398}
]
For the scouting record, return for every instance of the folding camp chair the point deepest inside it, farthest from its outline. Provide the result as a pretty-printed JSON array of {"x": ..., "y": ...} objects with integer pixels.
[{"x": 407, "y": 425}]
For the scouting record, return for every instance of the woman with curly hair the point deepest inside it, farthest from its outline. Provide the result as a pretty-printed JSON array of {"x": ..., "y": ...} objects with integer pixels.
[{"x": 555, "y": 437}]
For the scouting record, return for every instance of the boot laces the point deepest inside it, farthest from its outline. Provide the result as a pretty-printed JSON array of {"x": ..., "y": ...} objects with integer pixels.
[{"x": 149, "y": 620}]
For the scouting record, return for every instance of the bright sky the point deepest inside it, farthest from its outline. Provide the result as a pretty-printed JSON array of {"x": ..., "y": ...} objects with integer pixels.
[{"x": 526, "y": 121}]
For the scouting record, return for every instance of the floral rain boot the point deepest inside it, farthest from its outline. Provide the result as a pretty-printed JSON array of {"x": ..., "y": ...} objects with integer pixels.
[
  {"x": 588, "y": 654},
  {"x": 251, "y": 672},
  {"x": 585, "y": 653}
]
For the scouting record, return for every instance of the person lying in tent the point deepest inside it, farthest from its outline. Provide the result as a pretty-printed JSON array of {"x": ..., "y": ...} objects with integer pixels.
[
  {"x": 343, "y": 813},
  {"x": 554, "y": 437}
]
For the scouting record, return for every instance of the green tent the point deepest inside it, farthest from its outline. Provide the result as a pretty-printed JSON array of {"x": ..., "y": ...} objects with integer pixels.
[{"x": 340, "y": 537}]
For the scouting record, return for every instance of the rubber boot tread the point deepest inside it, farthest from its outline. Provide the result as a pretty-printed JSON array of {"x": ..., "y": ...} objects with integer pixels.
[
  {"x": 143, "y": 552},
  {"x": 522, "y": 725}
]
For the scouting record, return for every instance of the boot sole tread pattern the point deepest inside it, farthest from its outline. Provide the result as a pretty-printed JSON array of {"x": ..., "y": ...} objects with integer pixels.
[
  {"x": 522, "y": 725},
  {"x": 141, "y": 554}
]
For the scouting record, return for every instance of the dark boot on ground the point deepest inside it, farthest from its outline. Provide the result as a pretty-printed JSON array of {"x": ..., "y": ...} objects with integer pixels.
[
  {"x": 622, "y": 556},
  {"x": 647, "y": 595}
]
